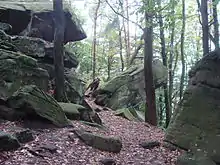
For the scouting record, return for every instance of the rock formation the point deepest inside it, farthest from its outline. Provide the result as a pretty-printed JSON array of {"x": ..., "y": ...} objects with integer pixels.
[
  {"x": 127, "y": 89},
  {"x": 26, "y": 66},
  {"x": 195, "y": 126}
]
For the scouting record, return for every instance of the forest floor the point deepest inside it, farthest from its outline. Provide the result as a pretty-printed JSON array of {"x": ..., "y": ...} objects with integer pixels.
[{"x": 72, "y": 151}]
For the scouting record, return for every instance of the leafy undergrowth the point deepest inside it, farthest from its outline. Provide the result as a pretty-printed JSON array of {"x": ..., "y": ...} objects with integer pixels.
[{"x": 71, "y": 151}]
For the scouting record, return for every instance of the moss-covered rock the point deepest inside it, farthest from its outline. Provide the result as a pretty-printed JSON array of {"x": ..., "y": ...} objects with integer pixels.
[
  {"x": 35, "y": 48},
  {"x": 72, "y": 111},
  {"x": 79, "y": 112},
  {"x": 192, "y": 159},
  {"x": 8, "y": 142},
  {"x": 74, "y": 87},
  {"x": 196, "y": 122},
  {"x": 17, "y": 69},
  {"x": 24, "y": 135},
  {"x": 126, "y": 113},
  {"x": 100, "y": 142},
  {"x": 33, "y": 102},
  {"x": 127, "y": 89}
]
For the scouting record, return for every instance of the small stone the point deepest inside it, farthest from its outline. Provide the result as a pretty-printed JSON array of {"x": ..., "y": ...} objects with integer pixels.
[
  {"x": 108, "y": 161},
  {"x": 150, "y": 144},
  {"x": 50, "y": 147},
  {"x": 24, "y": 136}
]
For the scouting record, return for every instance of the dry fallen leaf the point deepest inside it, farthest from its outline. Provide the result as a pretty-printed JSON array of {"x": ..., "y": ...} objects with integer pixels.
[{"x": 75, "y": 152}]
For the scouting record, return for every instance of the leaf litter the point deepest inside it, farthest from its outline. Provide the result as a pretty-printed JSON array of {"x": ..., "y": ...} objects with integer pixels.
[{"x": 72, "y": 151}]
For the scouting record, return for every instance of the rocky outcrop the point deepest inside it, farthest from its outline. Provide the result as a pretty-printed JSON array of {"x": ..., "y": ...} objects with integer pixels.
[
  {"x": 195, "y": 125},
  {"x": 36, "y": 48},
  {"x": 36, "y": 20},
  {"x": 127, "y": 89}
]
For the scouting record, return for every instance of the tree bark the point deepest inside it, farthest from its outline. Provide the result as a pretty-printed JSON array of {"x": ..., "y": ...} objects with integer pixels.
[
  {"x": 171, "y": 55},
  {"x": 137, "y": 49},
  {"x": 59, "y": 22},
  {"x": 125, "y": 32},
  {"x": 216, "y": 23},
  {"x": 94, "y": 43},
  {"x": 150, "y": 112},
  {"x": 164, "y": 59},
  {"x": 161, "y": 110},
  {"x": 128, "y": 34},
  {"x": 182, "y": 49},
  {"x": 205, "y": 26},
  {"x": 120, "y": 49}
]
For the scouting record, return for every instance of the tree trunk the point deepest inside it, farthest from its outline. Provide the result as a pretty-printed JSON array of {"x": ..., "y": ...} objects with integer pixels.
[
  {"x": 171, "y": 55},
  {"x": 94, "y": 43},
  {"x": 109, "y": 68},
  {"x": 128, "y": 34},
  {"x": 205, "y": 26},
  {"x": 121, "y": 49},
  {"x": 164, "y": 58},
  {"x": 59, "y": 23},
  {"x": 161, "y": 110},
  {"x": 125, "y": 32},
  {"x": 182, "y": 49},
  {"x": 150, "y": 112},
  {"x": 136, "y": 51},
  {"x": 216, "y": 23}
]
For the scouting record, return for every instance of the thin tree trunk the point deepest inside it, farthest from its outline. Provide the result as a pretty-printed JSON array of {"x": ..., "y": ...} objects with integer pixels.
[
  {"x": 205, "y": 26},
  {"x": 120, "y": 50},
  {"x": 128, "y": 33},
  {"x": 164, "y": 58},
  {"x": 135, "y": 33},
  {"x": 125, "y": 33},
  {"x": 109, "y": 68},
  {"x": 161, "y": 110},
  {"x": 150, "y": 112},
  {"x": 59, "y": 23},
  {"x": 136, "y": 51},
  {"x": 182, "y": 49},
  {"x": 94, "y": 43},
  {"x": 171, "y": 56},
  {"x": 216, "y": 24},
  {"x": 126, "y": 42}
]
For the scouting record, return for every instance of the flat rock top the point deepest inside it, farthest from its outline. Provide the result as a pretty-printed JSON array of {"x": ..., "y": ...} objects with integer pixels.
[{"x": 71, "y": 151}]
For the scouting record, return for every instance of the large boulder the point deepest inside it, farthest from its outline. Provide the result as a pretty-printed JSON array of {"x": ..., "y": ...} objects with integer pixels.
[
  {"x": 195, "y": 125},
  {"x": 17, "y": 69},
  {"x": 75, "y": 87},
  {"x": 127, "y": 89},
  {"x": 31, "y": 102},
  {"x": 41, "y": 25}
]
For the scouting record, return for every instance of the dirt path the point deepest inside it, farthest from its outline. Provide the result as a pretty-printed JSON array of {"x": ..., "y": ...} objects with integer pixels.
[{"x": 75, "y": 152}]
